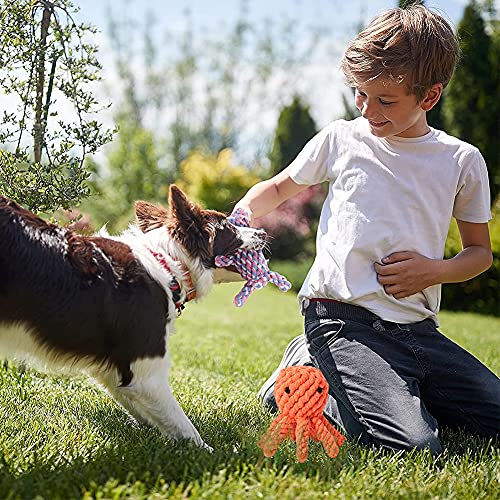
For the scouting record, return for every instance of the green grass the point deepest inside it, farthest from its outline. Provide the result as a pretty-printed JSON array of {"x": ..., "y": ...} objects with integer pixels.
[{"x": 65, "y": 438}]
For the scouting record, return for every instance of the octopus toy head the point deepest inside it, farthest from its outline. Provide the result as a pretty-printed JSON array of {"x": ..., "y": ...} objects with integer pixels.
[{"x": 301, "y": 391}]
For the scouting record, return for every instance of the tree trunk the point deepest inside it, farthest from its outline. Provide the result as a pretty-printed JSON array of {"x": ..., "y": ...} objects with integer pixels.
[{"x": 39, "y": 125}]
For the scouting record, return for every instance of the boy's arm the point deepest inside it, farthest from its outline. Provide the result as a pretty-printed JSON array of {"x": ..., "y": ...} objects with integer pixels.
[
  {"x": 405, "y": 273},
  {"x": 267, "y": 195}
]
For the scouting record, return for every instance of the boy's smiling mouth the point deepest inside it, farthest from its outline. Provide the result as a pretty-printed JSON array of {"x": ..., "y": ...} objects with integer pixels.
[{"x": 377, "y": 124}]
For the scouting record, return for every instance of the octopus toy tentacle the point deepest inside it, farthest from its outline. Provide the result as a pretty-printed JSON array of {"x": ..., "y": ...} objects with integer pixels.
[
  {"x": 277, "y": 432},
  {"x": 331, "y": 429},
  {"x": 327, "y": 438},
  {"x": 302, "y": 439}
]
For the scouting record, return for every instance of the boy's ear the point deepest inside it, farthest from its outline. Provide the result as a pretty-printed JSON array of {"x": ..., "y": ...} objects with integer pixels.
[
  {"x": 432, "y": 97},
  {"x": 150, "y": 216}
]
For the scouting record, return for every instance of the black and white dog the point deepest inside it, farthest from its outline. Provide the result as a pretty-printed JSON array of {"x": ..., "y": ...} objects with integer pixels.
[{"x": 106, "y": 305}]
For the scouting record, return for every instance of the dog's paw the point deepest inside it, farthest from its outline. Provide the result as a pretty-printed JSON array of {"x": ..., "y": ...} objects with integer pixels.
[{"x": 207, "y": 447}]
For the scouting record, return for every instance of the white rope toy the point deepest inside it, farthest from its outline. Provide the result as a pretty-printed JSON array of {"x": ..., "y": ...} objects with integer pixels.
[{"x": 251, "y": 264}]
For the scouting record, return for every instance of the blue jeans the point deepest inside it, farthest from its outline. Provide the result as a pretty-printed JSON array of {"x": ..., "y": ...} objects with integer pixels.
[{"x": 394, "y": 385}]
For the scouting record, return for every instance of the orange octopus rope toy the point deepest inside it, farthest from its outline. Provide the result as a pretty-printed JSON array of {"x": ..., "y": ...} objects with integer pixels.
[{"x": 301, "y": 393}]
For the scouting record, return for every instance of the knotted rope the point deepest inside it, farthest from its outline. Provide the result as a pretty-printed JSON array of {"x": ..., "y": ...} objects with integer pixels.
[
  {"x": 250, "y": 264},
  {"x": 301, "y": 393}
]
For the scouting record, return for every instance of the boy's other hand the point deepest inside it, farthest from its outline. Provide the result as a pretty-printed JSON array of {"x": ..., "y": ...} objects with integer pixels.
[{"x": 405, "y": 273}]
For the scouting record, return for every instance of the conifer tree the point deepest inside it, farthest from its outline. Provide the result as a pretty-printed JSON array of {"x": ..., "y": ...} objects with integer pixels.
[
  {"x": 295, "y": 127},
  {"x": 406, "y": 3},
  {"x": 472, "y": 107}
]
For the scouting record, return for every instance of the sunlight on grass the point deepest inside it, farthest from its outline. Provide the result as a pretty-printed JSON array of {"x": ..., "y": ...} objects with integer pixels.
[{"x": 65, "y": 438}]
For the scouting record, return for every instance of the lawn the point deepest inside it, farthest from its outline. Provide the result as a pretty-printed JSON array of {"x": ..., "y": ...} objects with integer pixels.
[{"x": 65, "y": 438}]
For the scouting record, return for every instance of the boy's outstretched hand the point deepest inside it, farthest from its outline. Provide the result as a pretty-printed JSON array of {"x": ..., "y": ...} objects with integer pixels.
[{"x": 405, "y": 273}]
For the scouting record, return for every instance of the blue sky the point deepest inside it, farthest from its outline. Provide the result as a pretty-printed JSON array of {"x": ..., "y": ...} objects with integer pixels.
[
  {"x": 210, "y": 14},
  {"x": 321, "y": 81},
  {"x": 322, "y": 88}
]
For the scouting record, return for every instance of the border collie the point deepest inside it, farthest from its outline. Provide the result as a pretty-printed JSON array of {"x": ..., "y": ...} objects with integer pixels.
[{"x": 106, "y": 304}]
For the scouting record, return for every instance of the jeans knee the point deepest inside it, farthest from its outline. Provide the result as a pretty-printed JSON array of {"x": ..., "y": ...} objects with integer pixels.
[
  {"x": 427, "y": 440},
  {"x": 413, "y": 440},
  {"x": 418, "y": 439}
]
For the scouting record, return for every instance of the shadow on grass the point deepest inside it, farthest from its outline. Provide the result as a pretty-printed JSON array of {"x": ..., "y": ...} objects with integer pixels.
[
  {"x": 128, "y": 452},
  {"x": 131, "y": 453}
]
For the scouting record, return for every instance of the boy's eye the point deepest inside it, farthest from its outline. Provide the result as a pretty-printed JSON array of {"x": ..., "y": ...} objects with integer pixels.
[{"x": 385, "y": 103}]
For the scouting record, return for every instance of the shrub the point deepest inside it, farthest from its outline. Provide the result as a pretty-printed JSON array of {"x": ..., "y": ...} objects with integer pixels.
[
  {"x": 292, "y": 226},
  {"x": 214, "y": 181},
  {"x": 480, "y": 294}
]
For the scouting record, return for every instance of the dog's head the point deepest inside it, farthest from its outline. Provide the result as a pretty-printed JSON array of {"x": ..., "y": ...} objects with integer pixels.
[{"x": 203, "y": 234}]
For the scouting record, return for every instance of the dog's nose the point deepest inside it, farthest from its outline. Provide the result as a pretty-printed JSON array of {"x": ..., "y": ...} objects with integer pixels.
[
  {"x": 260, "y": 239},
  {"x": 261, "y": 233},
  {"x": 252, "y": 238}
]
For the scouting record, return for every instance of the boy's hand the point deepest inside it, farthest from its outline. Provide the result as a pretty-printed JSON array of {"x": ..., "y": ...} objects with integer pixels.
[{"x": 405, "y": 273}]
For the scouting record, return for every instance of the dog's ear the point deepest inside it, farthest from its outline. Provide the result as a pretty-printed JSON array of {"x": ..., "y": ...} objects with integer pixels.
[
  {"x": 150, "y": 216},
  {"x": 187, "y": 222},
  {"x": 181, "y": 209}
]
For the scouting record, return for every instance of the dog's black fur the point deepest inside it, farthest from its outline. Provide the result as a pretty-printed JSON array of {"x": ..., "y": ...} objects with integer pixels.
[
  {"x": 50, "y": 276},
  {"x": 93, "y": 298}
]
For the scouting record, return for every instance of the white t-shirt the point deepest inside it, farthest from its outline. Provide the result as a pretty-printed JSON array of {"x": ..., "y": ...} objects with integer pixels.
[{"x": 386, "y": 195}]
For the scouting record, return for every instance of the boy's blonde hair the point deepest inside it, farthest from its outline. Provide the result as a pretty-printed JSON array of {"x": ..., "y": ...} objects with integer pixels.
[{"x": 411, "y": 45}]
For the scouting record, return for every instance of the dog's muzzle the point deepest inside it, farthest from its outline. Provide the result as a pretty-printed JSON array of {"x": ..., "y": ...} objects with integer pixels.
[{"x": 253, "y": 239}]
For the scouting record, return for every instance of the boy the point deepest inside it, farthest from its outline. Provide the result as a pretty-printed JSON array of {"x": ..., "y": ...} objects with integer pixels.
[{"x": 372, "y": 296}]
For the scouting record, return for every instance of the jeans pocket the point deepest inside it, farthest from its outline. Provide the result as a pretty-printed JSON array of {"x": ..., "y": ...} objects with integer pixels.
[{"x": 322, "y": 333}]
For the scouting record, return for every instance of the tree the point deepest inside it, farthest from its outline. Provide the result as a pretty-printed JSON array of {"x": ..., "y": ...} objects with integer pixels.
[
  {"x": 435, "y": 115},
  {"x": 350, "y": 110},
  {"x": 472, "y": 107},
  {"x": 191, "y": 101},
  {"x": 130, "y": 171},
  {"x": 44, "y": 59},
  {"x": 295, "y": 128},
  {"x": 201, "y": 91}
]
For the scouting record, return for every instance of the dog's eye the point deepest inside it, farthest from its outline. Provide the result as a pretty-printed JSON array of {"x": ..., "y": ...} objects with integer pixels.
[
  {"x": 287, "y": 390},
  {"x": 319, "y": 389}
]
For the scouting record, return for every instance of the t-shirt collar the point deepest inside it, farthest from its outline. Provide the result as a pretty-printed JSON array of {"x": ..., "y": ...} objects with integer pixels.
[{"x": 422, "y": 138}]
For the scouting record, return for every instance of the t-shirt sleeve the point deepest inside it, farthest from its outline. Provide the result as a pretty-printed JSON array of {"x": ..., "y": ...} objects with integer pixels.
[
  {"x": 312, "y": 164},
  {"x": 472, "y": 201}
]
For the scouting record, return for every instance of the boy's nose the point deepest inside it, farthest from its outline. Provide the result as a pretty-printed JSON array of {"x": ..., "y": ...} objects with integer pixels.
[{"x": 368, "y": 110}]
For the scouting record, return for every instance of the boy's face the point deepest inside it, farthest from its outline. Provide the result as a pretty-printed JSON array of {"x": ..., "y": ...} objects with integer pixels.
[{"x": 390, "y": 110}]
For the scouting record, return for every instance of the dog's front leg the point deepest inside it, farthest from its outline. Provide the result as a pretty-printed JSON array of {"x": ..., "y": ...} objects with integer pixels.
[
  {"x": 157, "y": 405},
  {"x": 149, "y": 397}
]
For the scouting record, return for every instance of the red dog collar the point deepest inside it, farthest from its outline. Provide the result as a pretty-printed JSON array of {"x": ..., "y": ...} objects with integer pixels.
[{"x": 174, "y": 284}]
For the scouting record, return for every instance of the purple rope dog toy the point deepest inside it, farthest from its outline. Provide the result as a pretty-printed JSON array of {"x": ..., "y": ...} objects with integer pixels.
[{"x": 251, "y": 264}]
